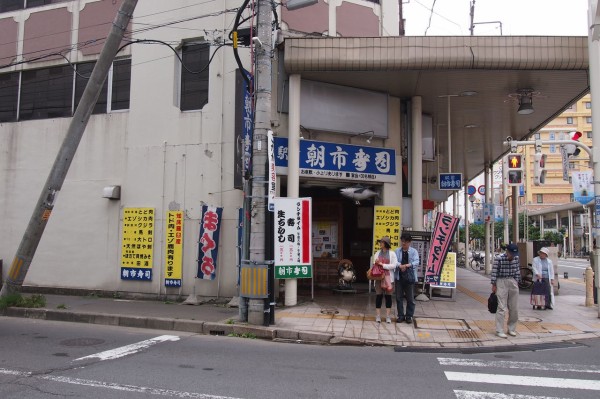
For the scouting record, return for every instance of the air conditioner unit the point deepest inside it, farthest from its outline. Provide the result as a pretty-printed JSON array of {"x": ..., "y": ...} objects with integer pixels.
[{"x": 296, "y": 4}]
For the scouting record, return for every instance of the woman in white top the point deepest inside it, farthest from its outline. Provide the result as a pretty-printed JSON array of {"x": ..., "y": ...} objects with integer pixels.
[
  {"x": 543, "y": 270},
  {"x": 388, "y": 260}
]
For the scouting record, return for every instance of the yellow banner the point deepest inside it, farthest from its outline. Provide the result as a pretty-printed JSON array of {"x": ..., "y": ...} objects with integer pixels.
[
  {"x": 174, "y": 249},
  {"x": 387, "y": 222},
  {"x": 137, "y": 245},
  {"x": 448, "y": 275}
]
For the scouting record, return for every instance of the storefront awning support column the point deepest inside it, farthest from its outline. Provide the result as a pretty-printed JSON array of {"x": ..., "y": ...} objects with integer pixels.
[{"x": 417, "y": 161}]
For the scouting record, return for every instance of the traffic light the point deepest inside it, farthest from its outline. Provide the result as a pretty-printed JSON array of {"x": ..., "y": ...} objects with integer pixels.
[
  {"x": 539, "y": 169},
  {"x": 572, "y": 149},
  {"x": 514, "y": 169}
]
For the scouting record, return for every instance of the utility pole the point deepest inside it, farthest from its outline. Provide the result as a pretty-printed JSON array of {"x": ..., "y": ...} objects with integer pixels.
[
  {"x": 263, "y": 51},
  {"x": 472, "y": 14},
  {"x": 45, "y": 205},
  {"x": 401, "y": 31}
]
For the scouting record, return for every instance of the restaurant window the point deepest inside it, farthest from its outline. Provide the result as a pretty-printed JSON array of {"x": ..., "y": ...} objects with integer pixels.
[
  {"x": 46, "y": 93},
  {"x": 9, "y": 96},
  {"x": 194, "y": 76}
]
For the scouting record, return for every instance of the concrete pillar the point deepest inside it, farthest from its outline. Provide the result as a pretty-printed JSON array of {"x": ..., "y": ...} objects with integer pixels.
[
  {"x": 417, "y": 161},
  {"x": 571, "y": 237},
  {"x": 515, "y": 214},
  {"x": 488, "y": 200},
  {"x": 392, "y": 193},
  {"x": 293, "y": 180},
  {"x": 466, "y": 221}
]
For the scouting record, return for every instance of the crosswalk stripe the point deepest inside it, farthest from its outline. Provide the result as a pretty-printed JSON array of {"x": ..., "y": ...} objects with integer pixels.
[
  {"x": 130, "y": 349},
  {"x": 545, "y": 382},
  {"x": 15, "y": 372},
  {"x": 578, "y": 368},
  {"x": 460, "y": 394}
]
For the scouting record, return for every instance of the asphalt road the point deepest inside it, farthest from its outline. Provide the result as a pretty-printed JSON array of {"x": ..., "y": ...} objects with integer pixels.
[{"x": 42, "y": 359}]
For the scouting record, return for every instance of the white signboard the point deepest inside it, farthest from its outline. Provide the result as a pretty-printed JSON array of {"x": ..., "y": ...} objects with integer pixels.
[{"x": 293, "y": 218}]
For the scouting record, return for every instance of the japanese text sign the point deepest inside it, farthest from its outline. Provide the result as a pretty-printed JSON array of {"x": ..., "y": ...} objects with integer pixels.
[
  {"x": 450, "y": 181},
  {"x": 137, "y": 246},
  {"x": 293, "y": 249},
  {"x": 173, "y": 249},
  {"x": 208, "y": 242},
  {"x": 448, "y": 276},
  {"x": 441, "y": 237},
  {"x": 386, "y": 222},
  {"x": 583, "y": 188},
  {"x": 339, "y": 161}
]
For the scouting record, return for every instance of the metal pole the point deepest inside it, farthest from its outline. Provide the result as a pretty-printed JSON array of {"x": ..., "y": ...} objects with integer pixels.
[
  {"x": 47, "y": 200},
  {"x": 594, "y": 57},
  {"x": 515, "y": 214},
  {"x": 263, "y": 50}
]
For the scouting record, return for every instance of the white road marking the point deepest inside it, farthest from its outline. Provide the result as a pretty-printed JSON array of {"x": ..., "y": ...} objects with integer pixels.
[
  {"x": 116, "y": 387},
  {"x": 130, "y": 349},
  {"x": 577, "y": 368},
  {"x": 15, "y": 372},
  {"x": 524, "y": 380},
  {"x": 493, "y": 395}
]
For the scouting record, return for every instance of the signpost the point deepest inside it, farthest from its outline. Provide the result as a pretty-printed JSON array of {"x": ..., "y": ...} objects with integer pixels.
[{"x": 450, "y": 181}]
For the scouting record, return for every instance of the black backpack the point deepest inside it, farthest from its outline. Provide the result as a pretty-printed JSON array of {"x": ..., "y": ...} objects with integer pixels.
[{"x": 493, "y": 303}]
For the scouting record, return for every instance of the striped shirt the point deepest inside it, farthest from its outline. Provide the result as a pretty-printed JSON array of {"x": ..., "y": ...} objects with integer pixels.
[{"x": 504, "y": 268}]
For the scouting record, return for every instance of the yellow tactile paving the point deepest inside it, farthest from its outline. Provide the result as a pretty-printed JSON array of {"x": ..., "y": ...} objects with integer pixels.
[{"x": 472, "y": 294}]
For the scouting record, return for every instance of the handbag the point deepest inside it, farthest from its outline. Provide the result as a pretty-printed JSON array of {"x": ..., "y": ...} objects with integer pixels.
[
  {"x": 408, "y": 276},
  {"x": 493, "y": 303},
  {"x": 386, "y": 284},
  {"x": 376, "y": 272}
]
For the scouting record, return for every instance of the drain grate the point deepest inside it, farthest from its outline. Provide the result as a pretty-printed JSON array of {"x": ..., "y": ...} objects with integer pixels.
[
  {"x": 432, "y": 323},
  {"x": 217, "y": 332},
  {"x": 469, "y": 334}
]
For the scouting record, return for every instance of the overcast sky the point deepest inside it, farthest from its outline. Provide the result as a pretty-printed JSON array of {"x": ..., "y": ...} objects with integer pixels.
[{"x": 518, "y": 17}]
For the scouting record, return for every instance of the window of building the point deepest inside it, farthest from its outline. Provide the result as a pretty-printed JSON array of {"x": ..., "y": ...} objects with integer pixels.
[
  {"x": 588, "y": 105},
  {"x": 571, "y": 165},
  {"x": 194, "y": 79},
  {"x": 571, "y": 197},
  {"x": 540, "y": 198},
  {"x": 53, "y": 92},
  {"x": 46, "y": 93},
  {"x": 536, "y": 136},
  {"x": 570, "y": 179},
  {"x": 12, "y": 5},
  {"x": 552, "y": 148},
  {"x": 588, "y": 135},
  {"x": 588, "y": 119},
  {"x": 569, "y": 120},
  {"x": 85, "y": 70},
  {"x": 9, "y": 96},
  {"x": 552, "y": 136},
  {"x": 121, "y": 84}
]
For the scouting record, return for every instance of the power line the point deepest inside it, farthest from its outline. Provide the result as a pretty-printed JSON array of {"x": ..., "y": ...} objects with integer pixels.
[
  {"x": 430, "y": 16},
  {"x": 438, "y": 14}
]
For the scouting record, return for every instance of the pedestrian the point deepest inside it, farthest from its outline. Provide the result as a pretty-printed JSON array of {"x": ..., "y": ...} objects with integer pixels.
[
  {"x": 387, "y": 259},
  {"x": 505, "y": 277},
  {"x": 405, "y": 277},
  {"x": 543, "y": 273}
]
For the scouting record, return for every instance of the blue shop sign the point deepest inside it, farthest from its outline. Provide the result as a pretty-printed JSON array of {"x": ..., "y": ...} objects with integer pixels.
[
  {"x": 339, "y": 161},
  {"x": 450, "y": 181}
]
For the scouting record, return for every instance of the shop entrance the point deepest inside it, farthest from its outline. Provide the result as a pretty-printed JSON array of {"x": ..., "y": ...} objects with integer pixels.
[{"x": 341, "y": 229}]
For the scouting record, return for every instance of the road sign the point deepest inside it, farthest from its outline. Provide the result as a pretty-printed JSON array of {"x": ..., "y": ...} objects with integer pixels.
[
  {"x": 481, "y": 190},
  {"x": 597, "y": 218},
  {"x": 471, "y": 190}
]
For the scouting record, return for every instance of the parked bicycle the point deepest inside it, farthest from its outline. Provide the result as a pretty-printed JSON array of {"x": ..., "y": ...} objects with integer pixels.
[
  {"x": 476, "y": 261},
  {"x": 526, "y": 277}
]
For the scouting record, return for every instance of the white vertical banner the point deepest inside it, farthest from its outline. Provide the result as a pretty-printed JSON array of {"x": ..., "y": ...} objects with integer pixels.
[
  {"x": 272, "y": 174},
  {"x": 583, "y": 188},
  {"x": 565, "y": 162},
  {"x": 293, "y": 229}
]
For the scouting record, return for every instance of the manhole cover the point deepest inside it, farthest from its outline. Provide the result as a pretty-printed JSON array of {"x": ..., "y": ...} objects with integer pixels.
[{"x": 82, "y": 342}]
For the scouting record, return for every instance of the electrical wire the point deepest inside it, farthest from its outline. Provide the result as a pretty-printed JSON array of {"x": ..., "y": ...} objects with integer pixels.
[
  {"x": 430, "y": 16},
  {"x": 234, "y": 31}
]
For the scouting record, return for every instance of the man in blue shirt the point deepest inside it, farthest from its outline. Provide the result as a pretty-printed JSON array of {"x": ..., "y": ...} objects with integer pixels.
[
  {"x": 506, "y": 273},
  {"x": 406, "y": 276}
]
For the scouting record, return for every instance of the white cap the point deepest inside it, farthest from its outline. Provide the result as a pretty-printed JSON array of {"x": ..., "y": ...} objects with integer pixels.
[{"x": 544, "y": 250}]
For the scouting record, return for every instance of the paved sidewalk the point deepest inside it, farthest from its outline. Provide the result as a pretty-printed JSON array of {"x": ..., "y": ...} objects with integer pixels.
[{"x": 334, "y": 318}]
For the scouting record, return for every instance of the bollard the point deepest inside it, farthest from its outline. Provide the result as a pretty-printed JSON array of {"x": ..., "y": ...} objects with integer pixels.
[
  {"x": 566, "y": 275},
  {"x": 589, "y": 287}
]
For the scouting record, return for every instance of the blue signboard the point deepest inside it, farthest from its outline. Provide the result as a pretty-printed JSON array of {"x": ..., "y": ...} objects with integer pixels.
[
  {"x": 450, "y": 181},
  {"x": 597, "y": 218},
  {"x": 339, "y": 161}
]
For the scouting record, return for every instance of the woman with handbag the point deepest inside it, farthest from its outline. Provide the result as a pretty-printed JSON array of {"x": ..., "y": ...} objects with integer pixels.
[
  {"x": 386, "y": 259},
  {"x": 543, "y": 274}
]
